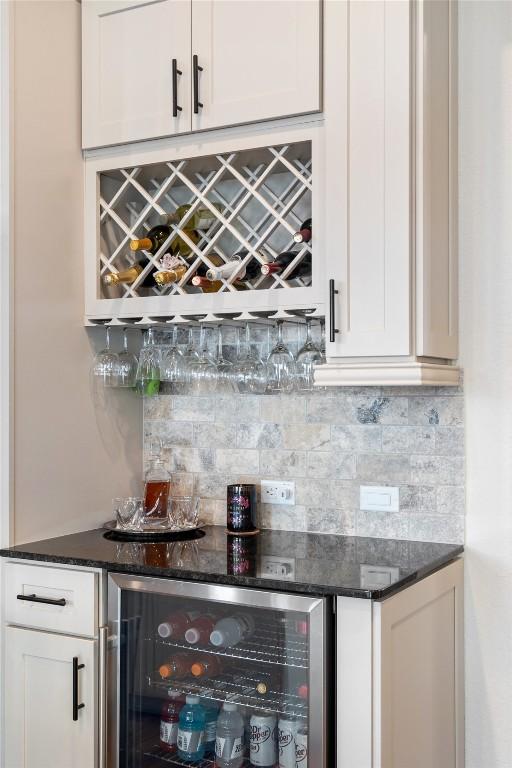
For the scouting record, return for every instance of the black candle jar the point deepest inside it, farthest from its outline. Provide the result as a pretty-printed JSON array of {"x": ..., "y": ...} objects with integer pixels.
[{"x": 241, "y": 509}]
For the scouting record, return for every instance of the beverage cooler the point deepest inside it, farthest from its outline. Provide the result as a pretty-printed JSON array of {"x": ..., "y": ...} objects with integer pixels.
[{"x": 208, "y": 675}]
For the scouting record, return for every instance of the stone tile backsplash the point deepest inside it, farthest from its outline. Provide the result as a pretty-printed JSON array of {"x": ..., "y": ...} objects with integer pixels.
[{"x": 328, "y": 442}]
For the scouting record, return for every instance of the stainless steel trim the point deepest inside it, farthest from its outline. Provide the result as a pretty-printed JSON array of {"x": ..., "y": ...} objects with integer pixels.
[
  {"x": 113, "y": 673},
  {"x": 258, "y": 598},
  {"x": 315, "y": 607},
  {"x": 102, "y": 693}
]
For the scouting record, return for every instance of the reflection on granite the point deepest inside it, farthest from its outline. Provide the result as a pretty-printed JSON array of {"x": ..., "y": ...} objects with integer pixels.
[{"x": 310, "y": 563}]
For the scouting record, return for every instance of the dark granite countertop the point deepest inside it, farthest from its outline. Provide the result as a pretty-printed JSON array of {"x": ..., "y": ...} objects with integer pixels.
[{"x": 275, "y": 560}]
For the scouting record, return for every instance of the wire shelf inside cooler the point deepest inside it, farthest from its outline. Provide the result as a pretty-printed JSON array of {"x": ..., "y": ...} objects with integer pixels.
[
  {"x": 265, "y": 646},
  {"x": 238, "y": 687},
  {"x": 257, "y": 199},
  {"x": 158, "y": 754}
]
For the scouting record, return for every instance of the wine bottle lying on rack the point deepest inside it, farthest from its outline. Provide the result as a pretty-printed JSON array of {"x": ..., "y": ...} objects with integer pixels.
[
  {"x": 154, "y": 239},
  {"x": 249, "y": 272},
  {"x": 202, "y": 218},
  {"x": 305, "y": 232},
  {"x": 284, "y": 260},
  {"x": 212, "y": 286},
  {"x": 167, "y": 276},
  {"x": 129, "y": 275}
]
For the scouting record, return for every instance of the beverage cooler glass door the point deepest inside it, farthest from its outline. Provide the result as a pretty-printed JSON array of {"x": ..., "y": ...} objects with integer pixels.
[{"x": 208, "y": 675}]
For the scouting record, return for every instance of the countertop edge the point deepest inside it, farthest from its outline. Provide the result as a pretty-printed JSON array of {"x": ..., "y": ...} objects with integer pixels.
[{"x": 251, "y": 581}]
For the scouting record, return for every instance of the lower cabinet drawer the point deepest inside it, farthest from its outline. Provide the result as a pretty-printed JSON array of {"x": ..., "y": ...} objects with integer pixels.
[{"x": 55, "y": 599}]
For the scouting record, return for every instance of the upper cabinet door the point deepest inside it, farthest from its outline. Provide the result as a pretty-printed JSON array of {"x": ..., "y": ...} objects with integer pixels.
[
  {"x": 133, "y": 52},
  {"x": 260, "y": 59}
]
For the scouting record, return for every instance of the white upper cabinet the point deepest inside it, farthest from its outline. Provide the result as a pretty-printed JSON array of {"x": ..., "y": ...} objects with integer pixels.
[
  {"x": 259, "y": 60},
  {"x": 390, "y": 180},
  {"x": 222, "y": 62},
  {"x": 136, "y": 70}
]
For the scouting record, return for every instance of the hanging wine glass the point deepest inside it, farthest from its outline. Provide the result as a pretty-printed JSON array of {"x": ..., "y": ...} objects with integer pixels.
[
  {"x": 281, "y": 368},
  {"x": 172, "y": 367},
  {"x": 307, "y": 357},
  {"x": 127, "y": 364},
  {"x": 225, "y": 369},
  {"x": 250, "y": 372},
  {"x": 105, "y": 364},
  {"x": 190, "y": 356},
  {"x": 202, "y": 371},
  {"x": 148, "y": 369}
]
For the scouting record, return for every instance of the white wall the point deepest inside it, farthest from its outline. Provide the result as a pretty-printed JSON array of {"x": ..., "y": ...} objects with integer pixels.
[
  {"x": 72, "y": 455},
  {"x": 485, "y": 122}
]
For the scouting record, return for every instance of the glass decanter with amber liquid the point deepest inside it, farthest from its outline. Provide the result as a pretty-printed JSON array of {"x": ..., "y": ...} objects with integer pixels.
[{"x": 156, "y": 491}]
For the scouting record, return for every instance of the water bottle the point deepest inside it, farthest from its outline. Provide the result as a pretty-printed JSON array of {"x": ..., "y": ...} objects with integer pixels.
[
  {"x": 210, "y": 730},
  {"x": 191, "y": 731},
  {"x": 230, "y": 631},
  {"x": 229, "y": 744}
]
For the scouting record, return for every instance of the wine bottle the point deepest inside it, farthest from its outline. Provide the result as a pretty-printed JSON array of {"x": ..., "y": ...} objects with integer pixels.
[
  {"x": 212, "y": 286},
  {"x": 154, "y": 239},
  {"x": 305, "y": 232},
  {"x": 248, "y": 272},
  {"x": 128, "y": 276},
  {"x": 165, "y": 277},
  {"x": 202, "y": 218},
  {"x": 283, "y": 260},
  {"x": 206, "y": 666}
]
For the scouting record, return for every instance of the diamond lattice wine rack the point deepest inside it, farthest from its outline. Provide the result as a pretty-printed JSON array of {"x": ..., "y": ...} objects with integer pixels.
[{"x": 240, "y": 207}]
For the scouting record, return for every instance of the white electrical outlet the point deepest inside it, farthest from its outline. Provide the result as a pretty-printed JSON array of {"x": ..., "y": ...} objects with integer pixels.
[
  {"x": 276, "y": 492},
  {"x": 379, "y": 499}
]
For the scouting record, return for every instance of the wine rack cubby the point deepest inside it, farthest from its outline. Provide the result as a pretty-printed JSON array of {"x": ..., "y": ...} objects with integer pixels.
[{"x": 256, "y": 198}]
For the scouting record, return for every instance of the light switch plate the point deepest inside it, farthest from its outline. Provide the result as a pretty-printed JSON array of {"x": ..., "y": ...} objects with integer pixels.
[{"x": 379, "y": 498}]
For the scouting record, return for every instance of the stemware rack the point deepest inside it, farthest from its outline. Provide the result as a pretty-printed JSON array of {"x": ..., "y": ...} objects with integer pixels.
[{"x": 257, "y": 197}]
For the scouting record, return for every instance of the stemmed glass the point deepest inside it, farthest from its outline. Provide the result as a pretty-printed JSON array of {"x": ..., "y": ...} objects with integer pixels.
[
  {"x": 203, "y": 371},
  {"x": 323, "y": 358},
  {"x": 148, "y": 370},
  {"x": 280, "y": 365},
  {"x": 105, "y": 364},
  {"x": 307, "y": 357},
  {"x": 127, "y": 365},
  {"x": 172, "y": 367},
  {"x": 225, "y": 369},
  {"x": 250, "y": 372}
]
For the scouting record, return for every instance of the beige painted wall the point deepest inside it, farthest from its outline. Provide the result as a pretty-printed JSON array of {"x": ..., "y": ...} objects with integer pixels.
[
  {"x": 72, "y": 453},
  {"x": 485, "y": 126}
]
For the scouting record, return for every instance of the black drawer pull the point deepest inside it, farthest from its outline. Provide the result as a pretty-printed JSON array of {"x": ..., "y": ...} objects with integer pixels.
[
  {"x": 76, "y": 705},
  {"x": 175, "y": 73},
  {"x": 45, "y": 600},
  {"x": 196, "y": 70},
  {"x": 332, "y": 308}
]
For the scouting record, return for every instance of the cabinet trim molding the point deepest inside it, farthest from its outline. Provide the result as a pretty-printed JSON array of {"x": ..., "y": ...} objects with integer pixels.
[{"x": 386, "y": 374}]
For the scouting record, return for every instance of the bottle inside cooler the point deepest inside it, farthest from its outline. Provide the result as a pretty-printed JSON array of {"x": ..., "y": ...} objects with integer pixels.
[{"x": 212, "y": 684}]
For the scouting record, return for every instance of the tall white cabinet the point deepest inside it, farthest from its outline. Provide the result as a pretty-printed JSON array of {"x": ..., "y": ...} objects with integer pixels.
[{"x": 161, "y": 67}]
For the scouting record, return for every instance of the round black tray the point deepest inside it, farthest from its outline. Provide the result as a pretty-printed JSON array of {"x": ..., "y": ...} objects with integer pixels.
[{"x": 115, "y": 534}]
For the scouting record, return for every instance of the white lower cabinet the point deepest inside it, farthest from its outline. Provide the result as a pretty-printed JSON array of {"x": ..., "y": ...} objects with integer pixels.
[{"x": 40, "y": 726}]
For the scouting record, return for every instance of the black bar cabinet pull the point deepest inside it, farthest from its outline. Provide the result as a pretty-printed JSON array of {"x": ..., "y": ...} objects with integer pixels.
[
  {"x": 196, "y": 70},
  {"x": 76, "y": 705},
  {"x": 175, "y": 73},
  {"x": 332, "y": 308},
  {"x": 45, "y": 600}
]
